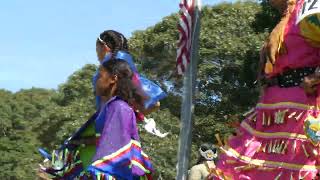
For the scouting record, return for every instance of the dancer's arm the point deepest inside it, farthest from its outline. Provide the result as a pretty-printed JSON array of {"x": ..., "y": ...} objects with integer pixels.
[{"x": 274, "y": 44}]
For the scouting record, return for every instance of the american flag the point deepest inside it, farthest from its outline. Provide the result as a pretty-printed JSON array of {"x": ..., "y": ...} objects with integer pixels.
[{"x": 185, "y": 34}]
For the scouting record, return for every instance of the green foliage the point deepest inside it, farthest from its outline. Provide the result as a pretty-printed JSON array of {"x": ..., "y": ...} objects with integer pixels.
[
  {"x": 163, "y": 152},
  {"x": 41, "y": 118},
  {"x": 20, "y": 114},
  {"x": 229, "y": 48},
  {"x": 74, "y": 105},
  {"x": 230, "y": 39},
  {"x": 229, "y": 54},
  {"x": 267, "y": 19},
  {"x": 78, "y": 86}
]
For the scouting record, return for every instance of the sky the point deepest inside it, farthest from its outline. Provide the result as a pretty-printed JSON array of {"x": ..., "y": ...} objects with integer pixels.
[{"x": 43, "y": 42}]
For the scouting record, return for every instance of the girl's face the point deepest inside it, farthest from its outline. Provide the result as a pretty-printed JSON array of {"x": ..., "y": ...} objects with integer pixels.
[
  {"x": 105, "y": 83},
  {"x": 101, "y": 50}
]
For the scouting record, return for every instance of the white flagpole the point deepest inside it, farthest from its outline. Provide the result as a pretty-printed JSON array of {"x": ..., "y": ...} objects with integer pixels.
[{"x": 187, "y": 107}]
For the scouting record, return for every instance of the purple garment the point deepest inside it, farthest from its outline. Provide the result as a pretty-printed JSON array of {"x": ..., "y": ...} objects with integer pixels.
[
  {"x": 118, "y": 146},
  {"x": 119, "y": 127}
]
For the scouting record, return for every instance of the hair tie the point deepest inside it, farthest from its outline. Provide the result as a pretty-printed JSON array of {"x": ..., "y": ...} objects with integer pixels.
[{"x": 102, "y": 41}]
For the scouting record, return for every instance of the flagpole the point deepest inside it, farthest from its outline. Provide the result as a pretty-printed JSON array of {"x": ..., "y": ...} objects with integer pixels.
[{"x": 187, "y": 107}]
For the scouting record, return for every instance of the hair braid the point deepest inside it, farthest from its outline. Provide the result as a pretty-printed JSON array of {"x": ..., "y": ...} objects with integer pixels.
[{"x": 114, "y": 40}]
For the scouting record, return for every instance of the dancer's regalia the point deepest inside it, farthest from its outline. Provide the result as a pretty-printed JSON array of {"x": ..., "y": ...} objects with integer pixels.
[
  {"x": 117, "y": 152},
  {"x": 280, "y": 138}
]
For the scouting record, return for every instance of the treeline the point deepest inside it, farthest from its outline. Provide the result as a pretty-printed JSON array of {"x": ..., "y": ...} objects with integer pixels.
[{"x": 231, "y": 36}]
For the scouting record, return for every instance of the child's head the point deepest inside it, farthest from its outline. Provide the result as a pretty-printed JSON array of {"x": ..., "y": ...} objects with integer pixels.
[
  {"x": 208, "y": 152},
  {"x": 110, "y": 41},
  {"x": 115, "y": 79}
]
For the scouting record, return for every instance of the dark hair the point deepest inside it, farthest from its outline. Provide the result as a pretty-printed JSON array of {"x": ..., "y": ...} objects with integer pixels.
[
  {"x": 114, "y": 40},
  {"x": 204, "y": 147},
  {"x": 126, "y": 90}
]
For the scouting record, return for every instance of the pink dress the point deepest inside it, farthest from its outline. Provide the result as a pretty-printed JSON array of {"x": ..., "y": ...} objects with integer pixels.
[{"x": 273, "y": 143}]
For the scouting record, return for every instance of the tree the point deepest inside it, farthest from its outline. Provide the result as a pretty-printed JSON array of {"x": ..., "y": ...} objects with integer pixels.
[
  {"x": 20, "y": 113},
  {"x": 230, "y": 39}
]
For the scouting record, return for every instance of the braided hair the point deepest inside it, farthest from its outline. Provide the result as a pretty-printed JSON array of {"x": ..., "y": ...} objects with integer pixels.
[
  {"x": 126, "y": 89},
  {"x": 114, "y": 40}
]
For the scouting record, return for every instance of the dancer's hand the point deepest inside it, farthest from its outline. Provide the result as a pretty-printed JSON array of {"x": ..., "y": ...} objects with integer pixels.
[
  {"x": 309, "y": 84},
  {"x": 273, "y": 47}
]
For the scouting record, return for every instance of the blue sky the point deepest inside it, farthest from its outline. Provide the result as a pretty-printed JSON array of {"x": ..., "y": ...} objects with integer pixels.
[{"x": 43, "y": 42}]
